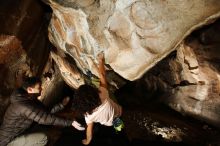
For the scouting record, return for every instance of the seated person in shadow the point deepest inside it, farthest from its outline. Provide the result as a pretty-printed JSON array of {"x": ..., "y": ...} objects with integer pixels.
[{"x": 24, "y": 109}]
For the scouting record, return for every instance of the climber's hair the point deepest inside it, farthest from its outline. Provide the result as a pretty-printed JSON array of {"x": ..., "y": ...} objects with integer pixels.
[
  {"x": 30, "y": 82},
  {"x": 86, "y": 99}
]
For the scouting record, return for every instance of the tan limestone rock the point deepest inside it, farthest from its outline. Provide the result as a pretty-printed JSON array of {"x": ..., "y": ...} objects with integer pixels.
[{"x": 135, "y": 35}]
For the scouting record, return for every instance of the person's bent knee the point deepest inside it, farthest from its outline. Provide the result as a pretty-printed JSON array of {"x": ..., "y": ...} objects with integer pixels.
[
  {"x": 40, "y": 139},
  {"x": 31, "y": 139}
]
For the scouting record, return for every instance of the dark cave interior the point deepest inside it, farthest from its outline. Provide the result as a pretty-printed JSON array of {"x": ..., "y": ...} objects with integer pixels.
[{"x": 148, "y": 120}]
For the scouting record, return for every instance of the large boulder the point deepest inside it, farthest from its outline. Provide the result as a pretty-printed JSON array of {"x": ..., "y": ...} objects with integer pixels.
[
  {"x": 135, "y": 35},
  {"x": 197, "y": 79},
  {"x": 189, "y": 77}
]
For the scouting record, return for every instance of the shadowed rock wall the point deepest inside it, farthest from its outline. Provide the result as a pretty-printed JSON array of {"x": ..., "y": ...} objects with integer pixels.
[
  {"x": 24, "y": 45},
  {"x": 189, "y": 77}
]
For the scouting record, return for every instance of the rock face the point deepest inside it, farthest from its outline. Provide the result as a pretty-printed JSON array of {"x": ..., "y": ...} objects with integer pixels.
[
  {"x": 13, "y": 62},
  {"x": 135, "y": 35},
  {"x": 199, "y": 73},
  {"x": 24, "y": 46},
  {"x": 69, "y": 72},
  {"x": 13, "y": 66},
  {"x": 19, "y": 20},
  {"x": 190, "y": 76}
]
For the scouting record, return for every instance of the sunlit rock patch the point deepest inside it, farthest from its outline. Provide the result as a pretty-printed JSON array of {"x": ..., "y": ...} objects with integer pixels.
[{"x": 168, "y": 133}]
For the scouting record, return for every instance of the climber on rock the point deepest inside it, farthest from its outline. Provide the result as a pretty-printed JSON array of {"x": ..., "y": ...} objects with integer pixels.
[{"x": 97, "y": 106}]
